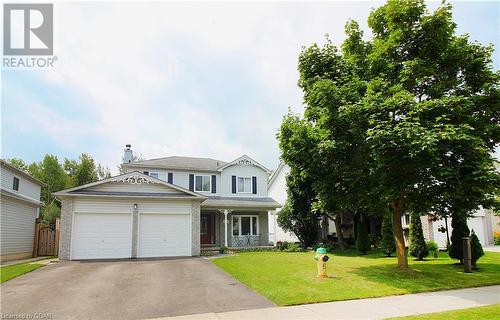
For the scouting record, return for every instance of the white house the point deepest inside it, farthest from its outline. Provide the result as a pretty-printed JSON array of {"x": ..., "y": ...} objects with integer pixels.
[
  {"x": 19, "y": 204},
  {"x": 172, "y": 206}
]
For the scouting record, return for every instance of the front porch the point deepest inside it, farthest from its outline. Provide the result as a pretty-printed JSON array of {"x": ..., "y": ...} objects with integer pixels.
[{"x": 233, "y": 229}]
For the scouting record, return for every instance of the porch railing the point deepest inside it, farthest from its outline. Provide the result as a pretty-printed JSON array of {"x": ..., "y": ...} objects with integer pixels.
[{"x": 246, "y": 241}]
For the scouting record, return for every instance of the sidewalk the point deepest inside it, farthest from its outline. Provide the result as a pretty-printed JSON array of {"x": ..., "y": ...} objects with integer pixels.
[{"x": 375, "y": 308}]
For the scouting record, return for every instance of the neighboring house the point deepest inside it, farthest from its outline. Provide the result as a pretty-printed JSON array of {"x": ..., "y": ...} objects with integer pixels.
[
  {"x": 172, "y": 206},
  {"x": 20, "y": 201},
  {"x": 277, "y": 190},
  {"x": 482, "y": 222}
]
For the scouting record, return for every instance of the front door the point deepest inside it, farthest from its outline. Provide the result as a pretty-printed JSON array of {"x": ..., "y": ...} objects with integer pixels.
[{"x": 207, "y": 228}]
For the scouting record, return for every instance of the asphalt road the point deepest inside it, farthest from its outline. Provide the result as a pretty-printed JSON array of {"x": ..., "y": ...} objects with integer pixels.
[{"x": 129, "y": 289}]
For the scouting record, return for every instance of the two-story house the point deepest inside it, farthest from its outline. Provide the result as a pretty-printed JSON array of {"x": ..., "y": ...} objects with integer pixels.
[
  {"x": 19, "y": 205},
  {"x": 172, "y": 206}
]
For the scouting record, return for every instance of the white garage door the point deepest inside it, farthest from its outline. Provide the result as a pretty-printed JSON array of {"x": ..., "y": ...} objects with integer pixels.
[
  {"x": 164, "y": 235},
  {"x": 102, "y": 236}
]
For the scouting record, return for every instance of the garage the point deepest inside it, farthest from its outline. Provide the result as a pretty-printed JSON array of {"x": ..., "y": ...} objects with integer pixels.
[
  {"x": 164, "y": 235},
  {"x": 129, "y": 216},
  {"x": 102, "y": 236}
]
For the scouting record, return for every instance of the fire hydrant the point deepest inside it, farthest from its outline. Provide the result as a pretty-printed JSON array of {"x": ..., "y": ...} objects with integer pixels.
[{"x": 321, "y": 259}]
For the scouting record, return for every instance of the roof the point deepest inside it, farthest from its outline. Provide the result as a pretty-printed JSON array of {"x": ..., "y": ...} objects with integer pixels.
[
  {"x": 134, "y": 177},
  {"x": 240, "y": 203},
  {"x": 276, "y": 173},
  {"x": 182, "y": 163},
  {"x": 21, "y": 172},
  {"x": 20, "y": 196}
]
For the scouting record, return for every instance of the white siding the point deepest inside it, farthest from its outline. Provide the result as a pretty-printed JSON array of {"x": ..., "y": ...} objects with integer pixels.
[
  {"x": 26, "y": 186},
  {"x": 243, "y": 171},
  {"x": 124, "y": 187},
  {"x": 17, "y": 222},
  {"x": 478, "y": 223},
  {"x": 277, "y": 191}
]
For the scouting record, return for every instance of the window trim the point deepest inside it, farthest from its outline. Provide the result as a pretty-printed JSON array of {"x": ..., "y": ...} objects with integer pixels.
[
  {"x": 156, "y": 173},
  {"x": 14, "y": 179},
  {"x": 237, "y": 184},
  {"x": 239, "y": 216},
  {"x": 209, "y": 180}
]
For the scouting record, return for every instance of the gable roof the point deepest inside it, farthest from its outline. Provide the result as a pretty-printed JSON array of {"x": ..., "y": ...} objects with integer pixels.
[
  {"x": 21, "y": 172},
  {"x": 276, "y": 173},
  {"x": 244, "y": 160},
  {"x": 134, "y": 177},
  {"x": 180, "y": 163}
]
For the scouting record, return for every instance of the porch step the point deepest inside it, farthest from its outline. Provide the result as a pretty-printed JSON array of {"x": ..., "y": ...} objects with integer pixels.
[{"x": 210, "y": 251}]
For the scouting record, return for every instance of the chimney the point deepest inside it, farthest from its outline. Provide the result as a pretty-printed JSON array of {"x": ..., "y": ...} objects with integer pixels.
[{"x": 128, "y": 155}]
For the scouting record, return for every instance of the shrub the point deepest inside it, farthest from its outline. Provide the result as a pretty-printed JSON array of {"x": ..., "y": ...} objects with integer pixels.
[
  {"x": 418, "y": 248},
  {"x": 282, "y": 245},
  {"x": 388, "y": 245},
  {"x": 460, "y": 229},
  {"x": 496, "y": 238},
  {"x": 294, "y": 247},
  {"x": 251, "y": 249},
  {"x": 223, "y": 250},
  {"x": 476, "y": 248},
  {"x": 432, "y": 246},
  {"x": 362, "y": 240}
]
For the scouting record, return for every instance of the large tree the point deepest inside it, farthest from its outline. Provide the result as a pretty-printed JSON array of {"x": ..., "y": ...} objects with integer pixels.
[{"x": 408, "y": 119}]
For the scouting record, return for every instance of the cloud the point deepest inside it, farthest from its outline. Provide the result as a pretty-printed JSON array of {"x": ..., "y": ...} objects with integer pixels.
[{"x": 189, "y": 78}]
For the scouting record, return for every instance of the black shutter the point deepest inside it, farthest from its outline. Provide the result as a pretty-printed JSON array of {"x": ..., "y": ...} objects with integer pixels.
[
  {"x": 214, "y": 181},
  {"x": 170, "y": 177},
  {"x": 233, "y": 184},
  {"x": 254, "y": 185},
  {"x": 146, "y": 173},
  {"x": 191, "y": 182}
]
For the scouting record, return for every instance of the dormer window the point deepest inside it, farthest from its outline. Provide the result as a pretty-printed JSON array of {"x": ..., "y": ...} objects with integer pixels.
[
  {"x": 202, "y": 183},
  {"x": 244, "y": 185},
  {"x": 154, "y": 174},
  {"x": 15, "y": 184}
]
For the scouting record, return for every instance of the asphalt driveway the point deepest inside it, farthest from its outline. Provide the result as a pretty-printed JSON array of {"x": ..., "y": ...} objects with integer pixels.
[{"x": 126, "y": 290}]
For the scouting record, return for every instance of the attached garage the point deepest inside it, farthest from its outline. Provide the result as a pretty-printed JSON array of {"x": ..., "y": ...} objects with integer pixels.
[
  {"x": 102, "y": 235},
  {"x": 129, "y": 216},
  {"x": 164, "y": 235}
]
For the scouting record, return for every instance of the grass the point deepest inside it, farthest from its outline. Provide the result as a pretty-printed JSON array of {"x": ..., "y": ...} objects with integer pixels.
[
  {"x": 15, "y": 270},
  {"x": 483, "y": 313},
  {"x": 290, "y": 278}
]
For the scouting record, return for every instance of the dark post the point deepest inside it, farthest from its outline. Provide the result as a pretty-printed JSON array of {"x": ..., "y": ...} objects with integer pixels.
[{"x": 467, "y": 255}]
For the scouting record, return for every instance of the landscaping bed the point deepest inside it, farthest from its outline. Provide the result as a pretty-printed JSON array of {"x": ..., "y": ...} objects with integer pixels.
[{"x": 289, "y": 278}]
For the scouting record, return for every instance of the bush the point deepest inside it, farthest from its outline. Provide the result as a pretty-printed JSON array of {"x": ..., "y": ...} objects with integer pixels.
[
  {"x": 223, "y": 250},
  {"x": 362, "y": 241},
  {"x": 250, "y": 249},
  {"x": 432, "y": 246},
  {"x": 418, "y": 247},
  {"x": 476, "y": 248},
  {"x": 282, "y": 245},
  {"x": 388, "y": 245},
  {"x": 460, "y": 230},
  {"x": 294, "y": 247},
  {"x": 496, "y": 238}
]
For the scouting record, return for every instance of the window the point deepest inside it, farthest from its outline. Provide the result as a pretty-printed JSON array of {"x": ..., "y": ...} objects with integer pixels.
[
  {"x": 244, "y": 185},
  {"x": 202, "y": 183},
  {"x": 15, "y": 184},
  {"x": 154, "y": 174},
  {"x": 245, "y": 225}
]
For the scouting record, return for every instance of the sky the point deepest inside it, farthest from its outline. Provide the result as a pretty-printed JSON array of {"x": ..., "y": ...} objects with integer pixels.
[{"x": 194, "y": 79}]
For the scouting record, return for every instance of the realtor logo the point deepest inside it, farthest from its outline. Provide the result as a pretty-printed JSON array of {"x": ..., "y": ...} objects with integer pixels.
[{"x": 28, "y": 29}]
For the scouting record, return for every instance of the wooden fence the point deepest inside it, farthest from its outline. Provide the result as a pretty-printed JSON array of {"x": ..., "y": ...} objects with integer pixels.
[{"x": 46, "y": 240}]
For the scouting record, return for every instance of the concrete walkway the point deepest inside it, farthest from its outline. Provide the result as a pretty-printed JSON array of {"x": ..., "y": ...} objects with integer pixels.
[{"x": 375, "y": 308}]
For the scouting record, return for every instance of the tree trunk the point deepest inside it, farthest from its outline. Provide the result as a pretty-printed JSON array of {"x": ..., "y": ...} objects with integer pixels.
[
  {"x": 397, "y": 207},
  {"x": 338, "y": 230}
]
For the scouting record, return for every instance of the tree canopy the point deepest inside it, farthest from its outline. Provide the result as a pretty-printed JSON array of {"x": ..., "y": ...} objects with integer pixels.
[{"x": 408, "y": 119}]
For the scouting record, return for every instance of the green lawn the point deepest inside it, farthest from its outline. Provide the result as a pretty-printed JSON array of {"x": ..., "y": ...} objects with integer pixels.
[
  {"x": 290, "y": 278},
  {"x": 483, "y": 313},
  {"x": 15, "y": 270}
]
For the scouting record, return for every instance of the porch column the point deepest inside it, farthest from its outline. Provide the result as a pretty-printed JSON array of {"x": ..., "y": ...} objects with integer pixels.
[
  {"x": 225, "y": 227},
  {"x": 273, "y": 212}
]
